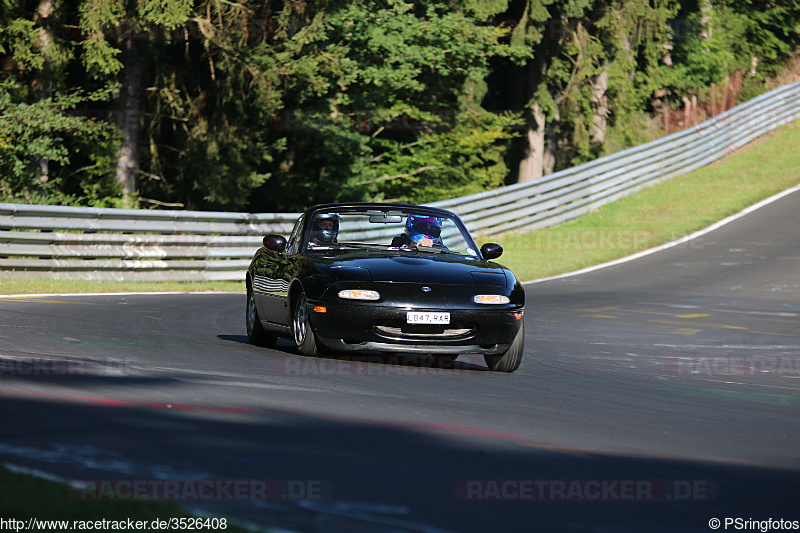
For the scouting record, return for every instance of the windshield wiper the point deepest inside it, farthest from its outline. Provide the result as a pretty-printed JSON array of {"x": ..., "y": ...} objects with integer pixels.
[
  {"x": 360, "y": 245},
  {"x": 430, "y": 249},
  {"x": 326, "y": 247}
]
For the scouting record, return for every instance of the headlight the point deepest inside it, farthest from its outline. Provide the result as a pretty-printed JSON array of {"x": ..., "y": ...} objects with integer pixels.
[
  {"x": 491, "y": 299},
  {"x": 354, "y": 294}
]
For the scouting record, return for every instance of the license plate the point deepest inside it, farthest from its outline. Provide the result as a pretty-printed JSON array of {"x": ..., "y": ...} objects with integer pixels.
[{"x": 421, "y": 317}]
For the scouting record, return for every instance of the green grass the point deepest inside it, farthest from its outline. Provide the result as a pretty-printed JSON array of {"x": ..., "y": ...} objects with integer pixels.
[
  {"x": 52, "y": 286},
  {"x": 652, "y": 216},
  {"x": 24, "y": 496},
  {"x": 661, "y": 213}
]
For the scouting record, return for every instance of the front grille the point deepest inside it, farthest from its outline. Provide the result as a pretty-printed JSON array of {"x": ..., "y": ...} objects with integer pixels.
[{"x": 424, "y": 331}]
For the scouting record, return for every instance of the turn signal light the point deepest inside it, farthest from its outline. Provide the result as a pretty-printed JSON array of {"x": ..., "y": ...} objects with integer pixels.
[
  {"x": 355, "y": 294},
  {"x": 491, "y": 299}
]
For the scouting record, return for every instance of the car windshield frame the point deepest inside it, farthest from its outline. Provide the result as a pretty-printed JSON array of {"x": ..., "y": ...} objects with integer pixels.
[{"x": 403, "y": 210}]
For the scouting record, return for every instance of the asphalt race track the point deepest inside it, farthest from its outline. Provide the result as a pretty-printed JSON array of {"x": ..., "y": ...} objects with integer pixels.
[{"x": 655, "y": 395}]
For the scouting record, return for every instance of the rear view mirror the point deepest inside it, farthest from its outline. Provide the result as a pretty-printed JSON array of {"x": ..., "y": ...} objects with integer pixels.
[
  {"x": 491, "y": 250},
  {"x": 276, "y": 243},
  {"x": 385, "y": 219}
]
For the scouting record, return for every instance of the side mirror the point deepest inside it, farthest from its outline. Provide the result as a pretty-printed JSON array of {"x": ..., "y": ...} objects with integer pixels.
[
  {"x": 276, "y": 243},
  {"x": 491, "y": 250}
]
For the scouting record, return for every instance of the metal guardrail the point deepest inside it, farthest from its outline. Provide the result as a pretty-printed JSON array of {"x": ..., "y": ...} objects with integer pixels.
[
  {"x": 145, "y": 245},
  {"x": 130, "y": 244}
]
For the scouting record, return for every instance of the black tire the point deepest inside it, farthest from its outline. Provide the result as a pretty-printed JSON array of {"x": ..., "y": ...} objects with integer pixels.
[
  {"x": 511, "y": 359},
  {"x": 304, "y": 336},
  {"x": 255, "y": 331}
]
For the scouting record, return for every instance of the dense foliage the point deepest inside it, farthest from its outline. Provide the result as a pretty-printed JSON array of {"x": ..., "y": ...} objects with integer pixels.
[{"x": 267, "y": 105}]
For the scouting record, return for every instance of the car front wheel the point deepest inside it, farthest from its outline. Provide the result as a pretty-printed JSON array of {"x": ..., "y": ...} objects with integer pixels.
[
  {"x": 511, "y": 359},
  {"x": 304, "y": 336}
]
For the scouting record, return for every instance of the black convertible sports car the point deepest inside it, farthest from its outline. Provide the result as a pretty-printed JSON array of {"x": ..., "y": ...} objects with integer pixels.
[{"x": 385, "y": 278}]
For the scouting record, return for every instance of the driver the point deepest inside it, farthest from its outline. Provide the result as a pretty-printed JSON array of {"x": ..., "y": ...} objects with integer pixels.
[
  {"x": 420, "y": 230},
  {"x": 324, "y": 229}
]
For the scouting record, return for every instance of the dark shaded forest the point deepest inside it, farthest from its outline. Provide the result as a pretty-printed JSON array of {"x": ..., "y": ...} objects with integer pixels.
[{"x": 270, "y": 106}]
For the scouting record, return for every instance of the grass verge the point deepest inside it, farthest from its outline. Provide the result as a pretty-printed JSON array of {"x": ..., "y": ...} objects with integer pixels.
[
  {"x": 661, "y": 213},
  {"x": 53, "y": 286},
  {"x": 24, "y": 496}
]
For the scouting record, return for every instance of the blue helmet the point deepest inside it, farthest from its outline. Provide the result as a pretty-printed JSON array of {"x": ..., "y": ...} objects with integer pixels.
[{"x": 418, "y": 226}]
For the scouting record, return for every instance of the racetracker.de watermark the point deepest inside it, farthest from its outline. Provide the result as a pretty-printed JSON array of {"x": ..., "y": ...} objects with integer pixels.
[
  {"x": 123, "y": 524},
  {"x": 55, "y": 366},
  {"x": 371, "y": 366},
  {"x": 198, "y": 489},
  {"x": 555, "y": 490},
  {"x": 582, "y": 239},
  {"x": 744, "y": 365}
]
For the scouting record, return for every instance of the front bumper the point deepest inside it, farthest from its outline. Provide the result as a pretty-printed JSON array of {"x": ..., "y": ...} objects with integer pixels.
[{"x": 383, "y": 328}]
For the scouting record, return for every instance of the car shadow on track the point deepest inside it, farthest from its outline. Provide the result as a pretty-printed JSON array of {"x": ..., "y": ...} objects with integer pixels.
[
  {"x": 241, "y": 339},
  {"x": 465, "y": 362}
]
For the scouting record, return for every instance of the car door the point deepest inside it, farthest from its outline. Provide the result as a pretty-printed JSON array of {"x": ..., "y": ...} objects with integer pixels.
[{"x": 272, "y": 278}]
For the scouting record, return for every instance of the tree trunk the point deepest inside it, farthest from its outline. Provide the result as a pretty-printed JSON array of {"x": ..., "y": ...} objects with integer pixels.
[
  {"x": 666, "y": 59},
  {"x": 126, "y": 113},
  {"x": 600, "y": 106},
  {"x": 551, "y": 145},
  {"x": 532, "y": 165},
  {"x": 706, "y": 17},
  {"x": 687, "y": 112},
  {"x": 43, "y": 83}
]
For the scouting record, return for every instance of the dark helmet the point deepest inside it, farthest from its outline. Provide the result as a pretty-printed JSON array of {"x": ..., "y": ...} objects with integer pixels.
[
  {"x": 418, "y": 226},
  {"x": 324, "y": 233}
]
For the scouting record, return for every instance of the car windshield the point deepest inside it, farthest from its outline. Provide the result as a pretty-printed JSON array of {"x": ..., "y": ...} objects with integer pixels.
[{"x": 403, "y": 230}]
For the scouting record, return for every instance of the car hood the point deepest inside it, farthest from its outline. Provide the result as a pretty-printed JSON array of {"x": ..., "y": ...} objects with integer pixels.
[{"x": 423, "y": 269}]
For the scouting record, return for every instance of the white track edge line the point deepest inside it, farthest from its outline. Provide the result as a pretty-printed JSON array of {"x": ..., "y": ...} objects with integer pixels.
[
  {"x": 744, "y": 212},
  {"x": 114, "y": 294}
]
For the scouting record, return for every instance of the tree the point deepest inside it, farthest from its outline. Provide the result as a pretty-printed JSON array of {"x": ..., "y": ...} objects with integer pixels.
[
  {"x": 594, "y": 66},
  {"x": 216, "y": 87},
  {"x": 115, "y": 32},
  {"x": 78, "y": 149},
  {"x": 270, "y": 105},
  {"x": 50, "y": 150},
  {"x": 383, "y": 102},
  {"x": 557, "y": 81},
  {"x": 637, "y": 40}
]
